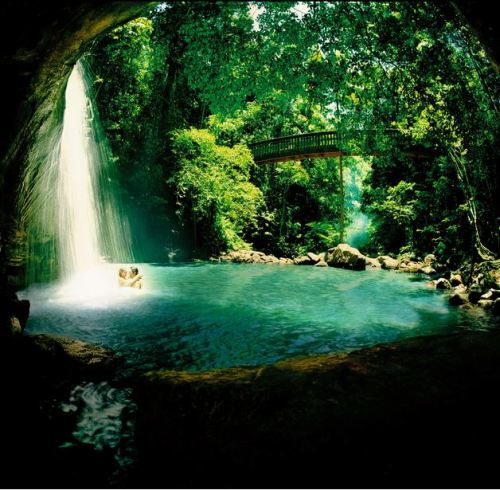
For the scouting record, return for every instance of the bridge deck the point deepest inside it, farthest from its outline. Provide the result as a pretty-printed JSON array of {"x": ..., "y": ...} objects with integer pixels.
[{"x": 321, "y": 145}]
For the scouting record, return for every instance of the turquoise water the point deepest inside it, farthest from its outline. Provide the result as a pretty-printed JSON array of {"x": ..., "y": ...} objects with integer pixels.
[{"x": 198, "y": 316}]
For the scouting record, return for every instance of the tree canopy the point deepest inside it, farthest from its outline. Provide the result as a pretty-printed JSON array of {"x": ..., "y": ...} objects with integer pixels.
[{"x": 183, "y": 90}]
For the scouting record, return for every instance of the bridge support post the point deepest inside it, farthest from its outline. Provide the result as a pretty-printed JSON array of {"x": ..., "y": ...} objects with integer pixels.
[{"x": 341, "y": 176}]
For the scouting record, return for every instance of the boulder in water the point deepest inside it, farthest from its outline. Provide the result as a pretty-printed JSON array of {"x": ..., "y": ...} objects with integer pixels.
[
  {"x": 303, "y": 260},
  {"x": 485, "y": 303},
  {"x": 428, "y": 270},
  {"x": 321, "y": 263},
  {"x": 475, "y": 293},
  {"x": 314, "y": 257},
  {"x": 496, "y": 307},
  {"x": 346, "y": 257},
  {"x": 249, "y": 257},
  {"x": 443, "y": 283},
  {"x": 457, "y": 299},
  {"x": 492, "y": 294},
  {"x": 15, "y": 326},
  {"x": 13, "y": 315},
  {"x": 456, "y": 279},
  {"x": 410, "y": 266},
  {"x": 429, "y": 259},
  {"x": 388, "y": 262},
  {"x": 373, "y": 263}
]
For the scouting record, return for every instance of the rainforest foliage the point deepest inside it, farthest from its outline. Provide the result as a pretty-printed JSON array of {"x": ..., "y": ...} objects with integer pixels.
[{"x": 182, "y": 91}]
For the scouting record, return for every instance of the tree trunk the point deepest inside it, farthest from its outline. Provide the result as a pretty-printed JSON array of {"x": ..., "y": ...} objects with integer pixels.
[{"x": 469, "y": 193}]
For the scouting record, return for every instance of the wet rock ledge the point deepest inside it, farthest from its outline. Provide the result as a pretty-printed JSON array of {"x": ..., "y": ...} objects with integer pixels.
[{"x": 403, "y": 414}]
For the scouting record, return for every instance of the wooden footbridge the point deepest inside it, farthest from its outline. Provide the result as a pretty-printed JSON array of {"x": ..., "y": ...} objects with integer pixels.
[
  {"x": 326, "y": 144},
  {"x": 330, "y": 144}
]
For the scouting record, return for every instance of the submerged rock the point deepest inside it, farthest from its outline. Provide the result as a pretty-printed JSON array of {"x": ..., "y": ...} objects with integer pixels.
[{"x": 346, "y": 257}]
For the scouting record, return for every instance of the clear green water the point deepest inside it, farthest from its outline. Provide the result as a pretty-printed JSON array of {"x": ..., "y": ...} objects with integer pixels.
[{"x": 199, "y": 316}]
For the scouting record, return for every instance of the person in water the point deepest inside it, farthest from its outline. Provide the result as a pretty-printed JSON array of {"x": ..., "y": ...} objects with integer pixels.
[
  {"x": 126, "y": 279},
  {"x": 135, "y": 277}
]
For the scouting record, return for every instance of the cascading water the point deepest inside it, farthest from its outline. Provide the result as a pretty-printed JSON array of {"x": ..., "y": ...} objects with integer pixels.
[
  {"x": 71, "y": 208},
  {"x": 78, "y": 229}
]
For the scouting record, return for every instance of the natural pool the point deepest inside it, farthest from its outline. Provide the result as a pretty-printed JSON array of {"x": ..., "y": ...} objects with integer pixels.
[{"x": 201, "y": 315}]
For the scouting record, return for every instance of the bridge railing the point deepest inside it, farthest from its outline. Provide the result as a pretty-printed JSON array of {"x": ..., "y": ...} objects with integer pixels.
[
  {"x": 299, "y": 144},
  {"x": 331, "y": 143}
]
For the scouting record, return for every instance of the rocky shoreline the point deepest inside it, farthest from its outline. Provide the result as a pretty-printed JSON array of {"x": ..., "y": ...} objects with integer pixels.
[
  {"x": 467, "y": 287},
  {"x": 342, "y": 256}
]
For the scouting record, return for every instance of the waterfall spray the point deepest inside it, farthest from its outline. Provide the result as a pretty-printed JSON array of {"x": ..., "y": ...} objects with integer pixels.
[{"x": 71, "y": 208}]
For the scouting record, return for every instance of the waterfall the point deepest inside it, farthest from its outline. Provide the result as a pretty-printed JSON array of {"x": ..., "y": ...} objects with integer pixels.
[
  {"x": 71, "y": 207},
  {"x": 76, "y": 182}
]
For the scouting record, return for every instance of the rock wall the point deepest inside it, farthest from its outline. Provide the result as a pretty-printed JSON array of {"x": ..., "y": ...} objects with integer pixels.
[{"x": 396, "y": 415}]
